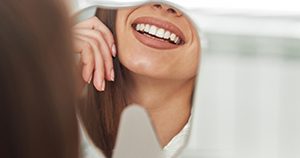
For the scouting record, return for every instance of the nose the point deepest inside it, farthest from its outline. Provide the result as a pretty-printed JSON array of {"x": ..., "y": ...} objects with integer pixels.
[{"x": 166, "y": 8}]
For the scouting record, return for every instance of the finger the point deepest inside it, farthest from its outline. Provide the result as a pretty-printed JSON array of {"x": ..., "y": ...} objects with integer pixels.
[
  {"x": 108, "y": 61},
  {"x": 88, "y": 64},
  {"x": 98, "y": 80},
  {"x": 86, "y": 58},
  {"x": 96, "y": 24}
]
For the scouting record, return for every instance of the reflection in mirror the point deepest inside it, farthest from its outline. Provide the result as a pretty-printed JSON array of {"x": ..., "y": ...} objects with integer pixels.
[{"x": 156, "y": 53}]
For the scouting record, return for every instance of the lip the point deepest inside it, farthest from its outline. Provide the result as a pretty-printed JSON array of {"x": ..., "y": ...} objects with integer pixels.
[{"x": 155, "y": 42}]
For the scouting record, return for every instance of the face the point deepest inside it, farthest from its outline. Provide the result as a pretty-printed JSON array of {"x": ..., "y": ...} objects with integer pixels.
[{"x": 157, "y": 41}]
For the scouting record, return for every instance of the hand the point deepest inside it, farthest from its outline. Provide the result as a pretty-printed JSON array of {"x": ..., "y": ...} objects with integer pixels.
[{"x": 95, "y": 44}]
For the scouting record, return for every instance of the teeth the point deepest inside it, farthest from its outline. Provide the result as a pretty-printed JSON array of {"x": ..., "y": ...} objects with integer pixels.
[
  {"x": 137, "y": 27},
  {"x": 172, "y": 37},
  {"x": 153, "y": 30},
  {"x": 160, "y": 33},
  {"x": 147, "y": 28},
  {"x": 177, "y": 40},
  {"x": 167, "y": 35},
  {"x": 142, "y": 27}
]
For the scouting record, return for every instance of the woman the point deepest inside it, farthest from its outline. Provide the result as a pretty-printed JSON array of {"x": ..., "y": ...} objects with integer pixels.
[
  {"x": 37, "y": 82},
  {"x": 154, "y": 65}
]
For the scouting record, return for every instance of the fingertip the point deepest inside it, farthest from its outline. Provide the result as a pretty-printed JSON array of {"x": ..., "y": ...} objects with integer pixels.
[
  {"x": 114, "y": 50},
  {"x": 90, "y": 79},
  {"x": 112, "y": 75},
  {"x": 86, "y": 74},
  {"x": 103, "y": 85},
  {"x": 97, "y": 84}
]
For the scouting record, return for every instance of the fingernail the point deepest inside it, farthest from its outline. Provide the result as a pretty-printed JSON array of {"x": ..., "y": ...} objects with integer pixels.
[
  {"x": 103, "y": 85},
  {"x": 114, "y": 50},
  {"x": 112, "y": 75},
  {"x": 89, "y": 81}
]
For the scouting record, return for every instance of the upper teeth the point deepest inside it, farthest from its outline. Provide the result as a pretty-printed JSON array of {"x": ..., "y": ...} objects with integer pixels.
[{"x": 158, "y": 32}]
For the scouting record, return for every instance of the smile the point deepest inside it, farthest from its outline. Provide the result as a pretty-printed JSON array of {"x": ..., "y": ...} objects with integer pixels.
[{"x": 157, "y": 33}]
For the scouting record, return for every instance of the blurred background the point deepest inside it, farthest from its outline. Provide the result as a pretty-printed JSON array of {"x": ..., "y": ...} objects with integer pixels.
[{"x": 248, "y": 93}]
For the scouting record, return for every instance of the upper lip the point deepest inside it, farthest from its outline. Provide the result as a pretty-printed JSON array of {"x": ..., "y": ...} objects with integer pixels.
[{"x": 161, "y": 24}]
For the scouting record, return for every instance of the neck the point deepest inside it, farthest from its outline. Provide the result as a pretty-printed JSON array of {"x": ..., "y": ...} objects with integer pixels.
[{"x": 167, "y": 101}]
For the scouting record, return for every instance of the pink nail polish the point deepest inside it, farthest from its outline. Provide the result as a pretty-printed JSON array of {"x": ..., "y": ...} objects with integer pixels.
[
  {"x": 103, "y": 85},
  {"x": 112, "y": 75},
  {"x": 114, "y": 50},
  {"x": 89, "y": 81}
]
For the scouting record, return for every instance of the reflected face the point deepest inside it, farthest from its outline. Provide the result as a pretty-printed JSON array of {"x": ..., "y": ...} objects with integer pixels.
[{"x": 157, "y": 41}]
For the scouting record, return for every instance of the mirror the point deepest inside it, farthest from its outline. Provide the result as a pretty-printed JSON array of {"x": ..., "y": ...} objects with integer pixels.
[{"x": 155, "y": 66}]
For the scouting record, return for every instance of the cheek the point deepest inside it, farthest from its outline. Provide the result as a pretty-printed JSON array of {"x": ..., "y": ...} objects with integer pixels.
[
  {"x": 192, "y": 59},
  {"x": 137, "y": 60},
  {"x": 186, "y": 67}
]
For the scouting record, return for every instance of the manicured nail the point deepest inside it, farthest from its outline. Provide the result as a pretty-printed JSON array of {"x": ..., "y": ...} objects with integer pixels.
[
  {"x": 89, "y": 81},
  {"x": 112, "y": 75},
  {"x": 103, "y": 85},
  {"x": 114, "y": 50}
]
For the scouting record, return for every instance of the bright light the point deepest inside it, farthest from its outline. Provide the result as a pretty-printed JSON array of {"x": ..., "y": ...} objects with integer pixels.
[
  {"x": 280, "y": 7},
  {"x": 262, "y": 6}
]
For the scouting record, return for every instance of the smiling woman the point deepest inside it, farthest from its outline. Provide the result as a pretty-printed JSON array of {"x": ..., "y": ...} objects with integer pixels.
[{"x": 153, "y": 63}]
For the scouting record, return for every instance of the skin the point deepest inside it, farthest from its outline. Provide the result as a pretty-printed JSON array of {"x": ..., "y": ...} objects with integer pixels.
[{"x": 162, "y": 81}]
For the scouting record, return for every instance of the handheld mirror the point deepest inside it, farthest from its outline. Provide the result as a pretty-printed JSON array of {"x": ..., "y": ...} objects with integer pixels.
[
  {"x": 247, "y": 98},
  {"x": 156, "y": 65}
]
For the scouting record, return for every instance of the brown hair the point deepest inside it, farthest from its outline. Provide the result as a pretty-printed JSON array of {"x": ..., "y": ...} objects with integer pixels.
[
  {"x": 37, "y": 81},
  {"x": 101, "y": 110}
]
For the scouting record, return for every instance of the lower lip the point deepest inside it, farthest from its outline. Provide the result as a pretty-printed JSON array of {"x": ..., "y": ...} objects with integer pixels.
[{"x": 153, "y": 42}]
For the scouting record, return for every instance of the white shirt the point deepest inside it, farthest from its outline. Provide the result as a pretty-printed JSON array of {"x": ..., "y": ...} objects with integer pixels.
[
  {"x": 178, "y": 141},
  {"x": 89, "y": 150}
]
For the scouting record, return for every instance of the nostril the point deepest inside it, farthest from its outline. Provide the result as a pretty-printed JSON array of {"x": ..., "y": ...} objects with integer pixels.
[
  {"x": 171, "y": 10},
  {"x": 157, "y": 6},
  {"x": 166, "y": 8}
]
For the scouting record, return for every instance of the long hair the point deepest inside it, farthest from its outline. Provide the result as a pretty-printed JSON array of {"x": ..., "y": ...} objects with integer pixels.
[
  {"x": 38, "y": 92},
  {"x": 100, "y": 111}
]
